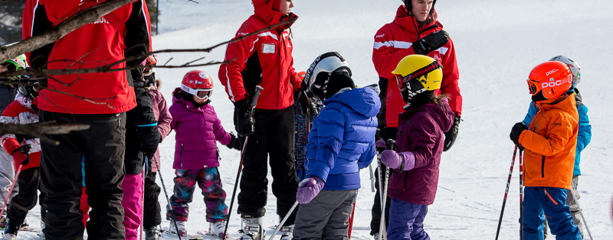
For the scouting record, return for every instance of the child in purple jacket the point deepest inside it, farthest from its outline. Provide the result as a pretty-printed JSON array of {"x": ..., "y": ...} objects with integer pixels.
[
  {"x": 420, "y": 141},
  {"x": 196, "y": 157}
]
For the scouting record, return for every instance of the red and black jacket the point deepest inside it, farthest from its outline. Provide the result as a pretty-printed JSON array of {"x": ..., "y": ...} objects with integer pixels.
[
  {"x": 392, "y": 43},
  {"x": 122, "y": 33}
]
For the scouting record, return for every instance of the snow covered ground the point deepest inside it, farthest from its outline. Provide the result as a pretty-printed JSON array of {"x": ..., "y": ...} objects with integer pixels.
[{"x": 497, "y": 44}]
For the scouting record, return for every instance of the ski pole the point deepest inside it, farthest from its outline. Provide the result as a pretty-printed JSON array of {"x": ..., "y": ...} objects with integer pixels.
[
  {"x": 258, "y": 88},
  {"x": 351, "y": 221},
  {"x": 380, "y": 175},
  {"x": 283, "y": 221},
  {"x": 372, "y": 179},
  {"x": 521, "y": 193},
  {"x": 11, "y": 189},
  {"x": 506, "y": 192},
  {"x": 172, "y": 211},
  {"x": 581, "y": 212},
  {"x": 390, "y": 145}
]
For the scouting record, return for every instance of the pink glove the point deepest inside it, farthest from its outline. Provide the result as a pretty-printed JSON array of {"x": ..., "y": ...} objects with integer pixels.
[
  {"x": 308, "y": 189},
  {"x": 403, "y": 161},
  {"x": 381, "y": 143}
]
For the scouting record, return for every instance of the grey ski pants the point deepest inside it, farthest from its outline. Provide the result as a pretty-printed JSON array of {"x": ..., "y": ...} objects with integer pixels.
[
  {"x": 7, "y": 176},
  {"x": 326, "y": 216}
]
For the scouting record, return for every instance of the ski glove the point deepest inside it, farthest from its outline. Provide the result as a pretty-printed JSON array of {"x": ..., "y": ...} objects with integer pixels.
[
  {"x": 235, "y": 143},
  {"x": 516, "y": 132},
  {"x": 243, "y": 121},
  {"x": 21, "y": 155},
  {"x": 308, "y": 189},
  {"x": 431, "y": 42},
  {"x": 403, "y": 161},
  {"x": 452, "y": 134}
]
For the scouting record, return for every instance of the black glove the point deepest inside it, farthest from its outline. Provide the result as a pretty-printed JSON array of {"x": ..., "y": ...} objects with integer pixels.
[
  {"x": 516, "y": 132},
  {"x": 452, "y": 134},
  {"x": 21, "y": 155},
  {"x": 302, "y": 99},
  {"x": 243, "y": 121},
  {"x": 235, "y": 143},
  {"x": 431, "y": 42}
]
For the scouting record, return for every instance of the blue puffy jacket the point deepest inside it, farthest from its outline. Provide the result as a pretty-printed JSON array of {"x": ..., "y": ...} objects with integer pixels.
[
  {"x": 342, "y": 139},
  {"x": 585, "y": 129}
]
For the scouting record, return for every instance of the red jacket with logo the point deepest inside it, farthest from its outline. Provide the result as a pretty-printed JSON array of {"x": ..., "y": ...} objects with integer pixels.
[
  {"x": 123, "y": 32},
  {"x": 264, "y": 58},
  {"x": 392, "y": 43}
]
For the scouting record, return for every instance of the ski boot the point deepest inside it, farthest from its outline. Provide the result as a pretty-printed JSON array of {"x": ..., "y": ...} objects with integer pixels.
[
  {"x": 216, "y": 229},
  {"x": 152, "y": 233},
  {"x": 252, "y": 229},
  {"x": 11, "y": 230},
  {"x": 180, "y": 225},
  {"x": 287, "y": 232}
]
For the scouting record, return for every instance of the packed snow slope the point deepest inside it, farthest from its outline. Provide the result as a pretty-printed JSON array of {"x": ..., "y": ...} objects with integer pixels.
[{"x": 497, "y": 44}]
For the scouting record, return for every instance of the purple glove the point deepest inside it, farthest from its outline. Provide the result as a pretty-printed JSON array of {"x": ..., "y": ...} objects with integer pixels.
[
  {"x": 308, "y": 189},
  {"x": 403, "y": 161},
  {"x": 381, "y": 143}
]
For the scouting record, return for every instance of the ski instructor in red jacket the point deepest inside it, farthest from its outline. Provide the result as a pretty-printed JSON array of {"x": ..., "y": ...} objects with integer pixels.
[
  {"x": 97, "y": 99},
  {"x": 264, "y": 59},
  {"x": 415, "y": 30}
]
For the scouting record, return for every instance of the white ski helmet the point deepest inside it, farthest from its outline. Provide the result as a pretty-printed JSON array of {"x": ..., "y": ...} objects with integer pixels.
[
  {"x": 318, "y": 74},
  {"x": 573, "y": 65}
]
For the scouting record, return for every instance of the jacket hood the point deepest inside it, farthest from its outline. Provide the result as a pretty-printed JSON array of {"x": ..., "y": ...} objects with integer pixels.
[
  {"x": 175, "y": 99},
  {"x": 562, "y": 102},
  {"x": 408, "y": 22},
  {"x": 362, "y": 100},
  {"x": 268, "y": 11},
  {"x": 441, "y": 113}
]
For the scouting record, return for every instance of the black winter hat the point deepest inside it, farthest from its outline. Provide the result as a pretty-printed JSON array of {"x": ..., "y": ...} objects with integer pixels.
[
  {"x": 408, "y": 6},
  {"x": 338, "y": 80}
]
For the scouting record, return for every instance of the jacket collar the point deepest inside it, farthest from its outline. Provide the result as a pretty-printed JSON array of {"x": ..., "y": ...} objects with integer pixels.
[
  {"x": 564, "y": 102},
  {"x": 264, "y": 11},
  {"x": 409, "y": 23}
]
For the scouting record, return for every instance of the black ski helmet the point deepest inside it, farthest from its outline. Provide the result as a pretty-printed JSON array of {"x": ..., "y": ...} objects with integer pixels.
[
  {"x": 407, "y": 4},
  {"x": 318, "y": 75}
]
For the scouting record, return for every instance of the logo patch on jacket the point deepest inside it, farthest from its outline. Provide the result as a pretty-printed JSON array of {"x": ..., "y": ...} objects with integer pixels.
[{"x": 268, "y": 48}]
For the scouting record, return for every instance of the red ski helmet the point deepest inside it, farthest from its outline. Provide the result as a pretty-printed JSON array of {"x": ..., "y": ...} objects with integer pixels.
[
  {"x": 198, "y": 83},
  {"x": 552, "y": 78}
]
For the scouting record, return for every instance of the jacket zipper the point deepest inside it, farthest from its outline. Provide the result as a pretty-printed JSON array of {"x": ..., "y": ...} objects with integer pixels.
[
  {"x": 543, "y": 167},
  {"x": 181, "y": 155},
  {"x": 404, "y": 183}
]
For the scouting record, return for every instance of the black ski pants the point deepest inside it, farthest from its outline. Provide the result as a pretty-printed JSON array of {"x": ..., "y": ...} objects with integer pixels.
[
  {"x": 102, "y": 147},
  {"x": 376, "y": 207},
  {"x": 274, "y": 139},
  {"x": 152, "y": 216},
  {"x": 28, "y": 182}
]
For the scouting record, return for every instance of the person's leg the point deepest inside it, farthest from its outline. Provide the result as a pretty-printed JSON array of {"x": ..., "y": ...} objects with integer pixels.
[
  {"x": 26, "y": 199},
  {"x": 104, "y": 173},
  {"x": 376, "y": 207},
  {"x": 61, "y": 178},
  {"x": 281, "y": 150},
  {"x": 533, "y": 213},
  {"x": 338, "y": 223},
  {"x": 403, "y": 216},
  {"x": 7, "y": 176},
  {"x": 185, "y": 183},
  {"x": 152, "y": 214},
  {"x": 253, "y": 184},
  {"x": 558, "y": 214},
  {"x": 209, "y": 182},
  {"x": 311, "y": 218},
  {"x": 418, "y": 232},
  {"x": 132, "y": 204},
  {"x": 84, "y": 206},
  {"x": 575, "y": 212}
]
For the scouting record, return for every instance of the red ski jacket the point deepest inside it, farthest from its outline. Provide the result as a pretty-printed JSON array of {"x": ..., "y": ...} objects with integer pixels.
[
  {"x": 393, "y": 42},
  {"x": 20, "y": 112},
  {"x": 123, "y": 32},
  {"x": 264, "y": 58}
]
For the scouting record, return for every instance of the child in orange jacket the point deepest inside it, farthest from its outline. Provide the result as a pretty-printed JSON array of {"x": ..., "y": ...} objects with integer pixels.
[{"x": 549, "y": 142}]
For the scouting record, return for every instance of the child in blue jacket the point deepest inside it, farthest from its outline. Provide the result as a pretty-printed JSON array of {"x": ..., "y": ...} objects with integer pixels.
[
  {"x": 341, "y": 141},
  {"x": 583, "y": 139}
]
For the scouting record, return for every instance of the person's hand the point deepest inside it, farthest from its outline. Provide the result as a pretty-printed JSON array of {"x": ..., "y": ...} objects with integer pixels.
[
  {"x": 403, "y": 161},
  {"x": 308, "y": 189},
  {"x": 243, "y": 121},
  {"x": 452, "y": 134},
  {"x": 431, "y": 42},
  {"x": 516, "y": 131},
  {"x": 235, "y": 143},
  {"x": 21, "y": 155}
]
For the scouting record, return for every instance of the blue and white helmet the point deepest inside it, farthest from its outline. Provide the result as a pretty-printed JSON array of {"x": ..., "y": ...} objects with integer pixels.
[{"x": 573, "y": 65}]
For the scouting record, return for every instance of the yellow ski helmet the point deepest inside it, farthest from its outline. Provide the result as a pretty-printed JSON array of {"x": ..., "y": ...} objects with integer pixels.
[{"x": 421, "y": 68}]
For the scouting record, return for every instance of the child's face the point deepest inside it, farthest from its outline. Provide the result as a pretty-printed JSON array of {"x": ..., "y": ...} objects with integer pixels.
[
  {"x": 421, "y": 9},
  {"x": 286, "y": 6},
  {"x": 202, "y": 97}
]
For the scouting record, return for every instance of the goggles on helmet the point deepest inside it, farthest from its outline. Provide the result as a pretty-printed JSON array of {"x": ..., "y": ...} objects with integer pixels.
[{"x": 202, "y": 94}]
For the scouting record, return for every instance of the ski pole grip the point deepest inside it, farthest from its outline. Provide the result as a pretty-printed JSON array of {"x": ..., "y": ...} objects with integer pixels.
[
  {"x": 391, "y": 143},
  {"x": 254, "y": 101}
]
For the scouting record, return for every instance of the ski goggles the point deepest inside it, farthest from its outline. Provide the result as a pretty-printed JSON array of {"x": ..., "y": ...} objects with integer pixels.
[
  {"x": 204, "y": 95},
  {"x": 149, "y": 62},
  {"x": 533, "y": 86}
]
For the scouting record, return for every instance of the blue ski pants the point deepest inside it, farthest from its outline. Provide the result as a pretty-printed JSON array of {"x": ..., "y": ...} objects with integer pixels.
[
  {"x": 407, "y": 221},
  {"x": 549, "y": 202}
]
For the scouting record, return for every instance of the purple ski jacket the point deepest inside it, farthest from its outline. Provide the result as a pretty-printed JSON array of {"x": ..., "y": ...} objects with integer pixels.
[
  {"x": 162, "y": 115},
  {"x": 197, "y": 130},
  {"x": 421, "y": 131}
]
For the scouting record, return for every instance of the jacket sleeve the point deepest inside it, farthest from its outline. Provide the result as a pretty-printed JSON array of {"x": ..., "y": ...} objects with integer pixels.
[
  {"x": 9, "y": 141},
  {"x": 237, "y": 53},
  {"x": 220, "y": 133},
  {"x": 423, "y": 138},
  {"x": 585, "y": 129},
  {"x": 450, "y": 79},
  {"x": 175, "y": 117},
  {"x": 367, "y": 157},
  {"x": 331, "y": 126},
  {"x": 164, "y": 119},
  {"x": 559, "y": 132},
  {"x": 39, "y": 23},
  {"x": 146, "y": 125},
  {"x": 532, "y": 110},
  {"x": 138, "y": 36},
  {"x": 384, "y": 55}
]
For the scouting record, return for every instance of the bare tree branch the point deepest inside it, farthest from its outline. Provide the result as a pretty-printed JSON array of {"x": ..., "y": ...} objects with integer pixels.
[
  {"x": 39, "y": 130},
  {"x": 79, "y": 19}
]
